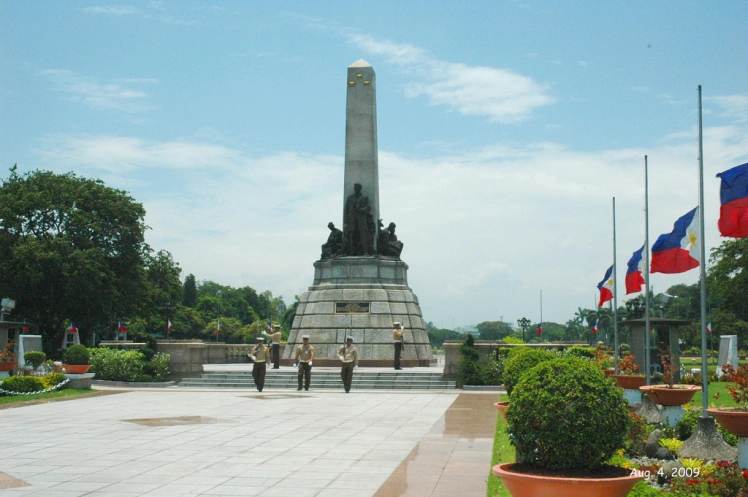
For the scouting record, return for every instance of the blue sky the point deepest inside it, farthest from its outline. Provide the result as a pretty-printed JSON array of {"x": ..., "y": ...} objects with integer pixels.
[{"x": 505, "y": 128}]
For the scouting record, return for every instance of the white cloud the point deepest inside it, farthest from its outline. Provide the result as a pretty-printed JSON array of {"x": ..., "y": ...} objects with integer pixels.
[
  {"x": 113, "y": 10},
  {"x": 500, "y": 95},
  {"x": 484, "y": 231},
  {"x": 156, "y": 11},
  {"x": 122, "y": 95},
  {"x": 733, "y": 106}
]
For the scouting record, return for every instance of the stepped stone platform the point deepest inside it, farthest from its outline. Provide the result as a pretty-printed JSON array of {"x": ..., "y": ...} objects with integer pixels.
[{"x": 326, "y": 378}]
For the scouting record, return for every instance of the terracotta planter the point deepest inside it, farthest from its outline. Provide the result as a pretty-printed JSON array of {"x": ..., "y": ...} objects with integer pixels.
[
  {"x": 7, "y": 366},
  {"x": 734, "y": 421},
  {"x": 502, "y": 407},
  {"x": 609, "y": 372},
  {"x": 523, "y": 485},
  {"x": 630, "y": 382},
  {"x": 76, "y": 368},
  {"x": 681, "y": 394}
]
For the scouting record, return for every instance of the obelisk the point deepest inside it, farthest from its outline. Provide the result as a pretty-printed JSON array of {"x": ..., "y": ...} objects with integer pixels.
[
  {"x": 360, "y": 293},
  {"x": 361, "y": 152}
]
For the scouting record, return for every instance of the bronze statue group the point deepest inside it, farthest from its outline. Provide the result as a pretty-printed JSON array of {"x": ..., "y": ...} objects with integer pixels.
[{"x": 261, "y": 355}]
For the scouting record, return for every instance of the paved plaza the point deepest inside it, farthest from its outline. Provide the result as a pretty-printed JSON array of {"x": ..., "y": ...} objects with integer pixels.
[{"x": 179, "y": 442}]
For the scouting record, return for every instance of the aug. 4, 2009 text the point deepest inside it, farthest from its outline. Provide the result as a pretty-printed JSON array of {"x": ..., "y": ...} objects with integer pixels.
[{"x": 675, "y": 472}]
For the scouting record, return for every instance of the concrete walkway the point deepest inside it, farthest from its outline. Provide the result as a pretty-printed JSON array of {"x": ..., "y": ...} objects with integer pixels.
[{"x": 175, "y": 442}]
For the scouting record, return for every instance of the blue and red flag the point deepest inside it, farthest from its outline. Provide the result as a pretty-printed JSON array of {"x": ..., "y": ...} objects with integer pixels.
[
  {"x": 122, "y": 326},
  {"x": 634, "y": 278},
  {"x": 709, "y": 327},
  {"x": 540, "y": 328},
  {"x": 73, "y": 328},
  {"x": 606, "y": 287},
  {"x": 678, "y": 251},
  {"x": 733, "y": 195},
  {"x": 594, "y": 326},
  {"x": 269, "y": 327}
]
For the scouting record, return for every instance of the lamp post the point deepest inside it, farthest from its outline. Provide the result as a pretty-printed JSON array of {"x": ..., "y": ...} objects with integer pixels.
[
  {"x": 167, "y": 307},
  {"x": 523, "y": 323}
]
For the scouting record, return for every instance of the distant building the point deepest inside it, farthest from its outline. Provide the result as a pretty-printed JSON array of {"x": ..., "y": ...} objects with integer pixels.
[{"x": 464, "y": 330}]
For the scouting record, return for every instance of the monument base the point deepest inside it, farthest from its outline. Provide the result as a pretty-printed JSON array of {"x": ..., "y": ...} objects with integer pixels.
[{"x": 361, "y": 297}]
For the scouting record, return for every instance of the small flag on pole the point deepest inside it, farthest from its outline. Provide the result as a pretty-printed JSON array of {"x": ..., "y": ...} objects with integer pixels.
[
  {"x": 634, "y": 278},
  {"x": 733, "y": 195},
  {"x": 218, "y": 327},
  {"x": 122, "y": 327},
  {"x": 25, "y": 329},
  {"x": 269, "y": 327},
  {"x": 73, "y": 328},
  {"x": 678, "y": 251},
  {"x": 709, "y": 327},
  {"x": 168, "y": 325},
  {"x": 594, "y": 326},
  {"x": 540, "y": 328},
  {"x": 606, "y": 287}
]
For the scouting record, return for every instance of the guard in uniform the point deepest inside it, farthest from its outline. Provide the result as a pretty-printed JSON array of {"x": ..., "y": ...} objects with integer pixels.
[
  {"x": 275, "y": 336},
  {"x": 397, "y": 338},
  {"x": 260, "y": 354},
  {"x": 349, "y": 355},
  {"x": 305, "y": 358}
]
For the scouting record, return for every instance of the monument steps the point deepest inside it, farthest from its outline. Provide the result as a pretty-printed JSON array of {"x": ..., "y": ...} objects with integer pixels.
[{"x": 324, "y": 379}]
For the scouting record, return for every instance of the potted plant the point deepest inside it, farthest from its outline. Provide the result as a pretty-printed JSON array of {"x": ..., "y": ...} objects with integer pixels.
[
  {"x": 734, "y": 419},
  {"x": 76, "y": 359},
  {"x": 629, "y": 377},
  {"x": 603, "y": 360},
  {"x": 518, "y": 361},
  {"x": 566, "y": 420},
  {"x": 670, "y": 394},
  {"x": 8, "y": 358},
  {"x": 34, "y": 359}
]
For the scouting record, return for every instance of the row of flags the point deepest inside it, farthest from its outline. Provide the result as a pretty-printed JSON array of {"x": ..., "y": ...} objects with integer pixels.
[
  {"x": 121, "y": 326},
  {"x": 678, "y": 251}
]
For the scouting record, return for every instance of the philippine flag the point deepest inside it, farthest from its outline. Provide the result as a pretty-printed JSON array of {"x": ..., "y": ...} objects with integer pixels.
[
  {"x": 733, "y": 193},
  {"x": 168, "y": 324},
  {"x": 540, "y": 328},
  {"x": 269, "y": 327},
  {"x": 634, "y": 278},
  {"x": 122, "y": 326},
  {"x": 73, "y": 328},
  {"x": 606, "y": 287},
  {"x": 594, "y": 327},
  {"x": 218, "y": 327},
  {"x": 709, "y": 327},
  {"x": 678, "y": 251}
]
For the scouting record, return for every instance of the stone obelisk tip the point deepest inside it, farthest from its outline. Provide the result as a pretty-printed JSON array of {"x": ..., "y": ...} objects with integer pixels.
[{"x": 360, "y": 63}]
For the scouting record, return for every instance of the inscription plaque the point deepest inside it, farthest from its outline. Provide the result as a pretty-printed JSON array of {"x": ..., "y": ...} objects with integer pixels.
[{"x": 352, "y": 307}]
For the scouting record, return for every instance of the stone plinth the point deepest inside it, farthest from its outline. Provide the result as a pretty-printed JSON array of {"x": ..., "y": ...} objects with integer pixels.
[
  {"x": 80, "y": 381},
  {"x": 363, "y": 297}
]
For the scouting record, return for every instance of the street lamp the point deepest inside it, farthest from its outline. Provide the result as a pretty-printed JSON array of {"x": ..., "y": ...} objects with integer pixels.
[
  {"x": 6, "y": 306},
  {"x": 523, "y": 323},
  {"x": 167, "y": 307},
  {"x": 635, "y": 307}
]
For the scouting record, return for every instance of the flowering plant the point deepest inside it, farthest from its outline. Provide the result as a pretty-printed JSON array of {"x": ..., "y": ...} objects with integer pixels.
[
  {"x": 669, "y": 368},
  {"x": 7, "y": 354},
  {"x": 725, "y": 480},
  {"x": 739, "y": 388},
  {"x": 627, "y": 365}
]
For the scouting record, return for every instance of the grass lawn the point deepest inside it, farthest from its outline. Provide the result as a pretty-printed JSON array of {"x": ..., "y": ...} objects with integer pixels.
[
  {"x": 718, "y": 396},
  {"x": 502, "y": 452},
  {"x": 7, "y": 401}
]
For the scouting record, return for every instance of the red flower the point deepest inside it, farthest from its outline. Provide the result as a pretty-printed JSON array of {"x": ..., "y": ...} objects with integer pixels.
[
  {"x": 745, "y": 473},
  {"x": 723, "y": 464},
  {"x": 692, "y": 482}
]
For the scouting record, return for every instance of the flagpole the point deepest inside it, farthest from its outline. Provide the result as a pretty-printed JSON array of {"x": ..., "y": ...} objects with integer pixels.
[
  {"x": 541, "y": 315},
  {"x": 702, "y": 270},
  {"x": 615, "y": 291},
  {"x": 646, "y": 272}
]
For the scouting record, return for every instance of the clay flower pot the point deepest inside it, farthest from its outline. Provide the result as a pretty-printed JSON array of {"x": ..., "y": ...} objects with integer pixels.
[
  {"x": 7, "y": 366},
  {"x": 733, "y": 420},
  {"x": 608, "y": 372},
  {"x": 676, "y": 396},
  {"x": 630, "y": 382},
  {"x": 76, "y": 368},
  {"x": 525, "y": 485},
  {"x": 502, "y": 407}
]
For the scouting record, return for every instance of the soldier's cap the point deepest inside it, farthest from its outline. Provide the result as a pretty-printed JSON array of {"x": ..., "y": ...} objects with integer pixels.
[
  {"x": 260, "y": 339},
  {"x": 305, "y": 337},
  {"x": 348, "y": 338},
  {"x": 396, "y": 323},
  {"x": 276, "y": 326}
]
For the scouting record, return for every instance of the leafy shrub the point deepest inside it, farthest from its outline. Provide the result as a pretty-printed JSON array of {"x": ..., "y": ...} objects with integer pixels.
[
  {"x": 77, "y": 355},
  {"x": 160, "y": 362},
  {"x": 520, "y": 360},
  {"x": 469, "y": 368},
  {"x": 513, "y": 340},
  {"x": 692, "y": 351},
  {"x": 23, "y": 384},
  {"x": 34, "y": 359},
  {"x": 491, "y": 371},
  {"x": 636, "y": 438},
  {"x": 564, "y": 414},
  {"x": 687, "y": 424},
  {"x": 147, "y": 352},
  {"x": 580, "y": 352},
  {"x": 51, "y": 379},
  {"x": 725, "y": 480},
  {"x": 117, "y": 365}
]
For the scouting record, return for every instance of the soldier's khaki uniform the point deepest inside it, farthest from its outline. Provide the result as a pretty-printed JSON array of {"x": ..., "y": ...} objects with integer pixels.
[
  {"x": 350, "y": 360},
  {"x": 262, "y": 355},
  {"x": 305, "y": 355},
  {"x": 397, "y": 338},
  {"x": 275, "y": 336}
]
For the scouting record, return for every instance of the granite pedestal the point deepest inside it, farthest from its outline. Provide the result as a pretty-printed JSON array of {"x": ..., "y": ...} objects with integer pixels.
[{"x": 362, "y": 297}]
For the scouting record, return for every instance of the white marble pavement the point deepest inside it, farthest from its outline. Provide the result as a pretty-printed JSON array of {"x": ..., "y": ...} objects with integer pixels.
[{"x": 276, "y": 443}]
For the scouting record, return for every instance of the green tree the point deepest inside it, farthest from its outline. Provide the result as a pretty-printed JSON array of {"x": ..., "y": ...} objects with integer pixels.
[
  {"x": 437, "y": 336},
  {"x": 70, "y": 248},
  {"x": 728, "y": 277},
  {"x": 189, "y": 297},
  {"x": 493, "y": 330}
]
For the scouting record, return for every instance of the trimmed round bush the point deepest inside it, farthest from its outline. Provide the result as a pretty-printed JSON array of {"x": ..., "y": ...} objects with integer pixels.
[
  {"x": 117, "y": 365},
  {"x": 581, "y": 352},
  {"x": 23, "y": 384},
  {"x": 521, "y": 360},
  {"x": 565, "y": 415},
  {"x": 76, "y": 355},
  {"x": 34, "y": 359},
  {"x": 52, "y": 379}
]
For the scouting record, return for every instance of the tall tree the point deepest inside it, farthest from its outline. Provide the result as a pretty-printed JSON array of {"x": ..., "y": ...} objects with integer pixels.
[
  {"x": 189, "y": 297},
  {"x": 71, "y": 248}
]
